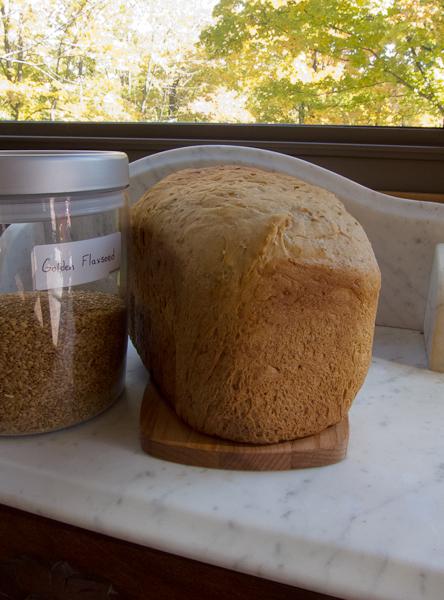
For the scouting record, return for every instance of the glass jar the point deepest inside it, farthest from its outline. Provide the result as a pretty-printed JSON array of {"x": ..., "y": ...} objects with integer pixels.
[{"x": 63, "y": 336}]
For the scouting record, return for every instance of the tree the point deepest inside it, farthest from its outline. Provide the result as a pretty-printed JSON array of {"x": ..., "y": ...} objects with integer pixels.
[
  {"x": 114, "y": 60},
  {"x": 306, "y": 61},
  {"x": 20, "y": 79},
  {"x": 46, "y": 56},
  {"x": 161, "y": 71},
  {"x": 335, "y": 61}
]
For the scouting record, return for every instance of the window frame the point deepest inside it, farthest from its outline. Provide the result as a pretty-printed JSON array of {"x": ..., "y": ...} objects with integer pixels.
[{"x": 385, "y": 158}]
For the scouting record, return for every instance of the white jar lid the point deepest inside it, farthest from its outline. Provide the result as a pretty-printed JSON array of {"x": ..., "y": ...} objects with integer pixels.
[{"x": 29, "y": 172}]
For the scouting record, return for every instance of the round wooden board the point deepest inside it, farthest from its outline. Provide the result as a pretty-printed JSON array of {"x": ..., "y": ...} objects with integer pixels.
[{"x": 165, "y": 436}]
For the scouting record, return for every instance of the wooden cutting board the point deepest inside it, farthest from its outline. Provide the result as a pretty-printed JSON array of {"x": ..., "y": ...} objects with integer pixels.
[{"x": 165, "y": 436}]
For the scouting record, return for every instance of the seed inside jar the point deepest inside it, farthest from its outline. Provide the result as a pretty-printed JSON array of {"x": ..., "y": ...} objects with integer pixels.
[{"x": 61, "y": 358}]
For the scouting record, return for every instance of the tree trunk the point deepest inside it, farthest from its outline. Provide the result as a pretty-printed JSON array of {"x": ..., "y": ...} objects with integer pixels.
[
  {"x": 301, "y": 113},
  {"x": 172, "y": 99},
  {"x": 52, "y": 111},
  {"x": 315, "y": 61},
  {"x": 6, "y": 64},
  {"x": 20, "y": 55},
  {"x": 146, "y": 87}
]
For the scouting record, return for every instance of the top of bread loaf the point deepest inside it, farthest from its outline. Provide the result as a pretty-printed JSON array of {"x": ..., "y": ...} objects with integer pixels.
[{"x": 245, "y": 217}]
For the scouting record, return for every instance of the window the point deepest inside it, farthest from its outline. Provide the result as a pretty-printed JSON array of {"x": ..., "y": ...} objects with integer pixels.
[{"x": 71, "y": 69}]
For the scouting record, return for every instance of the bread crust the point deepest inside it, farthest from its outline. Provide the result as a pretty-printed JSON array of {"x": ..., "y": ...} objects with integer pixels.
[{"x": 253, "y": 298}]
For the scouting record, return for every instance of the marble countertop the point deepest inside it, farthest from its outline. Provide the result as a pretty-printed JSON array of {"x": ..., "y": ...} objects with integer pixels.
[{"x": 371, "y": 527}]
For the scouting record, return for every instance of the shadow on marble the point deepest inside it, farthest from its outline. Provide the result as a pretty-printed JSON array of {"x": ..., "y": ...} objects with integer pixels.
[
  {"x": 119, "y": 426},
  {"x": 402, "y": 346}
]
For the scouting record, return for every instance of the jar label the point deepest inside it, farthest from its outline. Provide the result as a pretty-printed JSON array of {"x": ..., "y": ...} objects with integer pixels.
[{"x": 73, "y": 263}]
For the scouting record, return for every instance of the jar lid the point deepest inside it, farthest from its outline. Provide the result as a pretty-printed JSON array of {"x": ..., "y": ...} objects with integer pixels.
[{"x": 34, "y": 172}]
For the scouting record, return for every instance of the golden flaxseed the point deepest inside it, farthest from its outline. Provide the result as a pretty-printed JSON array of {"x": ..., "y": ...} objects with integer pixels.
[{"x": 61, "y": 359}]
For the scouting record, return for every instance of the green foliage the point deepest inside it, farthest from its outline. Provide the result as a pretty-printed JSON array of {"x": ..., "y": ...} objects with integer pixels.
[
  {"x": 377, "y": 62},
  {"x": 333, "y": 61}
]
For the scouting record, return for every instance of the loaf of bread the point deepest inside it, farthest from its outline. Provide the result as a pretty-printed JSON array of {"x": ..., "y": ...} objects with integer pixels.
[{"x": 253, "y": 299}]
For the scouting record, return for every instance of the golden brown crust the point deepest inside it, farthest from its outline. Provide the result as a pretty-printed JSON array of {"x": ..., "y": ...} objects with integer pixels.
[{"x": 254, "y": 297}]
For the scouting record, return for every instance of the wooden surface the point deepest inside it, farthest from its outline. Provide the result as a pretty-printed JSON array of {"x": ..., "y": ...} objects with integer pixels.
[
  {"x": 42, "y": 559},
  {"x": 165, "y": 436},
  {"x": 417, "y": 196}
]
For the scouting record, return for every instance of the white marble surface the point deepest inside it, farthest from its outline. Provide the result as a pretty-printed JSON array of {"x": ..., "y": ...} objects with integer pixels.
[
  {"x": 371, "y": 527},
  {"x": 403, "y": 232}
]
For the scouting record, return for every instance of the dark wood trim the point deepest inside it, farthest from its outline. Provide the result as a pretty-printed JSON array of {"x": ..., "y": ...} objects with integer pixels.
[
  {"x": 401, "y": 136},
  {"x": 404, "y": 159},
  {"x": 417, "y": 196},
  {"x": 42, "y": 558},
  {"x": 293, "y": 148}
]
